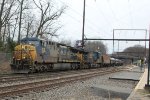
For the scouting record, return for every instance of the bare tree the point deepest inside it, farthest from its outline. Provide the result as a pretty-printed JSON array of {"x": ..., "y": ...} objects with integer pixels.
[
  {"x": 14, "y": 27},
  {"x": 7, "y": 13},
  {"x": 28, "y": 26},
  {"x": 66, "y": 42},
  {"x": 95, "y": 46},
  {"x": 20, "y": 18},
  {"x": 136, "y": 50},
  {"x": 1, "y": 14},
  {"x": 14, "y": 21},
  {"x": 48, "y": 16},
  {"x": 8, "y": 16}
]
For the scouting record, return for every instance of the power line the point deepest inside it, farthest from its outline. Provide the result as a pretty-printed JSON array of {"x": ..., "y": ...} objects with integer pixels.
[
  {"x": 102, "y": 13},
  {"x": 87, "y": 20},
  {"x": 130, "y": 14},
  {"x": 114, "y": 15},
  {"x": 118, "y": 39}
]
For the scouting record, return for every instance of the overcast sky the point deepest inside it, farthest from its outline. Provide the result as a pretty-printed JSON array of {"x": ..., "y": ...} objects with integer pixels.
[{"x": 102, "y": 16}]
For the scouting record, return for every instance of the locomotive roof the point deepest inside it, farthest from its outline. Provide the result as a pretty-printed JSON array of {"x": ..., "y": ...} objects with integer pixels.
[
  {"x": 73, "y": 48},
  {"x": 38, "y": 39},
  {"x": 78, "y": 50},
  {"x": 31, "y": 38}
]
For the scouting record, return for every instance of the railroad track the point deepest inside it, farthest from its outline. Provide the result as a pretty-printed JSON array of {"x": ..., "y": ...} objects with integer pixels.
[
  {"x": 26, "y": 77},
  {"x": 44, "y": 84},
  {"x": 35, "y": 76}
]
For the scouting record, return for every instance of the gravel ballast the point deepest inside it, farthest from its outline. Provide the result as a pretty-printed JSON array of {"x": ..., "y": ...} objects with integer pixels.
[{"x": 97, "y": 88}]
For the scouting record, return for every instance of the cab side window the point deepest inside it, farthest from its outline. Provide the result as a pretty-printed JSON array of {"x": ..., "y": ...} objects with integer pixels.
[{"x": 43, "y": 43}]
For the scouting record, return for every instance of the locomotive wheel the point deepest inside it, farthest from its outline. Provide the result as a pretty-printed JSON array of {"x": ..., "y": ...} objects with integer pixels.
[
  {"x": 43, "y": 69},
  {"x": 78, "y": 66},
  {"x": 89, "y": 65},
  {"x": 31, "y": 69},
  {"x": 73, "y": 66},
  {"x": 50, "y": 67},
  {"x": 36, "y": 70}
]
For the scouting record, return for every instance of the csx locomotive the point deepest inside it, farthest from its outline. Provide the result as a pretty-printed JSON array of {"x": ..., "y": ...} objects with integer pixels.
[{"x": 39, "y": 55}]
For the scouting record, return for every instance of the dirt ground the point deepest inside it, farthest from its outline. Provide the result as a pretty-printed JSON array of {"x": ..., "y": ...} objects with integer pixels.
[
  {"x": 5, "y": 59},
  {"x": 5, "y": 67}
]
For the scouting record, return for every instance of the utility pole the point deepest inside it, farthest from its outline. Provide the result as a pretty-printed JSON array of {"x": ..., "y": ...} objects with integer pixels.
[
  {"x": 20, "y": 20},
  {"x": 145, "y": 42},
  {"x": 113, "y": 40},
  {"x": 147, "y": 85},
  {"x": 83, "y": 24}
]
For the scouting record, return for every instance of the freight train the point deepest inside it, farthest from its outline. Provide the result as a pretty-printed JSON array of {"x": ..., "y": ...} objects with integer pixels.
[{"x": 39, "y": 55}]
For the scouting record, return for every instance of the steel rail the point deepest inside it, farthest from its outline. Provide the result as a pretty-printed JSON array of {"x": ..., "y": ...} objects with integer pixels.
[{"x": 42, "y": 85}]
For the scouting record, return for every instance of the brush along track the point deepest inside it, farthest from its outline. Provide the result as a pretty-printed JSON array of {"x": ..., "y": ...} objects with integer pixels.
[{"x": 42, "y": 85}]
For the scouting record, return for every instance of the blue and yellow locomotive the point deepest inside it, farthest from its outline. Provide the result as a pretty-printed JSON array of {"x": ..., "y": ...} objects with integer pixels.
[{"x": 34, "y": 54}]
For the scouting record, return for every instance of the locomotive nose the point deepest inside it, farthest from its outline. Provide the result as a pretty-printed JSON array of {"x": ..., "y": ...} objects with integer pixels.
[
  {"x": 23, "y": 58},
  {"x": 24, "y": 52}
]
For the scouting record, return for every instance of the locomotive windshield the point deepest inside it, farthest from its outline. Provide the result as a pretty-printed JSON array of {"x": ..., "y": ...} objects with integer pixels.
[{"x": 36, "y": 43}]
